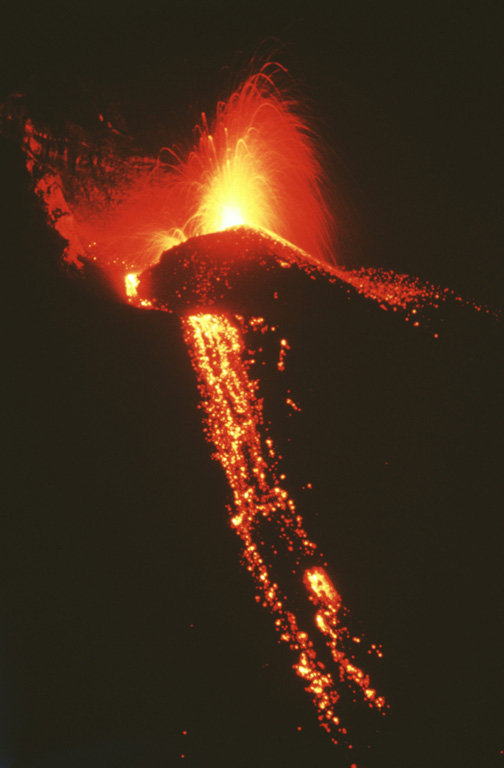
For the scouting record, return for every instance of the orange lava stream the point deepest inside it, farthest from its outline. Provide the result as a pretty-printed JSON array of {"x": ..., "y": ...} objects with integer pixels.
[{"x": 233, "y": 422}]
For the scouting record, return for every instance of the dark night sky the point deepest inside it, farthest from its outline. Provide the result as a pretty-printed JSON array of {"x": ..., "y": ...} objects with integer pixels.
[{"x": 116, "y": 538}]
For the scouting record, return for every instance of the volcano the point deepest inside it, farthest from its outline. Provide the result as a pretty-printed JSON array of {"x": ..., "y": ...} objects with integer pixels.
[
  {"x": 353, "y": 415},
  {"x": 129, "y": 620}
]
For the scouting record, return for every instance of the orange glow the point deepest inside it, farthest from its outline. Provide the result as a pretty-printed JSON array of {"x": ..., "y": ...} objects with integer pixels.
[
  {"x": 59, "y": 214},
  {"x": 256, "y": 163}
]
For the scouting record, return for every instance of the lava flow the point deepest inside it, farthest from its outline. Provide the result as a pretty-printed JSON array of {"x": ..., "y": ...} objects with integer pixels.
[
  {"x": 217, "y": 283},
  {"x": 234, "y": 420}
]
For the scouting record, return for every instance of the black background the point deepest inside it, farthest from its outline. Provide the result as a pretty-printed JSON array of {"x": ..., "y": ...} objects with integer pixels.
[{"x": 115, "y": 536}]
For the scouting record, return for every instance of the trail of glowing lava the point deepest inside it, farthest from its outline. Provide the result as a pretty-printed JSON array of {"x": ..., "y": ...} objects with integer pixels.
[{"x": 234, "y": 419}]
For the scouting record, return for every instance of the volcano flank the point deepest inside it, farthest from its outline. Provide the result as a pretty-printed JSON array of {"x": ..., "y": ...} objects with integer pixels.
[{"x": 239, "y": 270}]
